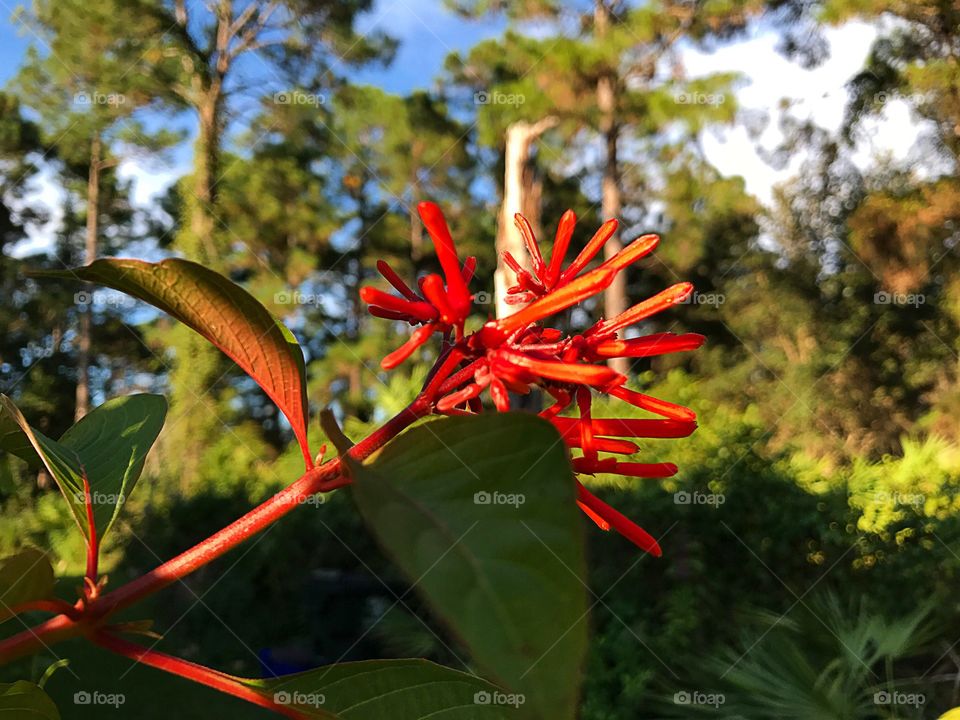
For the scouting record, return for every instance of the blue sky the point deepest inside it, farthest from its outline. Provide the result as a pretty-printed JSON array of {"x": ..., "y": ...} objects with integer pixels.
[{"x": 428, "y": 33}]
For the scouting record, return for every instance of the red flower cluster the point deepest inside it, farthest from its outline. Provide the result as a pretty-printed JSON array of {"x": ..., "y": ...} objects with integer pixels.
[{"x": 516, "y": 353}]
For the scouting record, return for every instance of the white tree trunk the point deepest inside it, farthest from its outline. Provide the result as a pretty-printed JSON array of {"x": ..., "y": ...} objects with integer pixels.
[{"x": 519, "y": 137}]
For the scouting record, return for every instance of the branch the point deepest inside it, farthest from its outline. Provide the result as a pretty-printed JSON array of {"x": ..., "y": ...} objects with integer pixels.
[
  {"x": 541, "y": 126},
  {"x": 248, "y": 41},
  {"x": 180, "y": 12},
  {"x": 53, "y": 605},
  {"x": 324, "y": 478},
  {"x": 192, "y": 671}
]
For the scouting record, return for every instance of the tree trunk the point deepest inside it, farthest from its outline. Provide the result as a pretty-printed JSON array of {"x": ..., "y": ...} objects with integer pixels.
[
  {"x": 516, "y": 199},
  {"x": 202, "y": 224},
  {"x": 90, "y": 254},
  {"x": 194, "y": 416},
  {"x": 615, "y": 298}
]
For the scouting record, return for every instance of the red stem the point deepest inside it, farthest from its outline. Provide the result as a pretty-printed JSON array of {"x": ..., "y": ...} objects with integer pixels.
[
  {"x": 93, "y": 547},
  {"x": 325, "y": 478},
  {"x": 198, "y": 673},
  {"x": 53, "y": 605}
]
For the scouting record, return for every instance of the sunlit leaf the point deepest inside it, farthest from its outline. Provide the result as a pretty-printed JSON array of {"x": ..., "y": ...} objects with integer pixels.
[
  {"x": 109, "y": 444},
  {"x": 24, "y": 577},
  {"x": 225, "y": 314},
  {"x": 480, "y": 513},
  {"x": 378, "y": 689},
  {"x": 23, "y": 700}
]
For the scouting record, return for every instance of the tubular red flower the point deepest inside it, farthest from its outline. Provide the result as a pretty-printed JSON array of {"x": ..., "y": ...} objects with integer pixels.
[
  {"x": 525, "y": 281},
  {"x": 533, "y": 248},
  {"x": 498, "y": 391},
  {"x": 578, "y": 373},
  {"x": 560, "y": 244},
  {"x": 459, "y": 397},
  {"x": 626, "y": 527},
  {"x": 560, "y": 299},
  {"x": 391, "y": 277},
  {"x": 590, "y": 251},
  {"x": 468, "y": 269},
  {"x": 641, "y": 247},
  {"x": 602, "y": 444},
  {"x": 387, "y": 314},
  {"x": 434, "y": 291},
  {"x": 584, "y": 400},
  {"x": 655, "y": 405},
  {"x": 646, "y": 470},
  {"x": 600, "y": 522},
  {"x": 418, "y": 338},
  {"x": 630, "y": 427},
  {"x": 648, "y": 346},
  {"x": 424, "y": 312},
  {"x": 651, "y": 306},
  {"x": 515, "y": 354},
  {"x": 437, "y": 228}
]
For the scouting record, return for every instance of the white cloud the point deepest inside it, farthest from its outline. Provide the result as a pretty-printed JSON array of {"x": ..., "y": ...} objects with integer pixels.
[{"x": 819, "y": 93}]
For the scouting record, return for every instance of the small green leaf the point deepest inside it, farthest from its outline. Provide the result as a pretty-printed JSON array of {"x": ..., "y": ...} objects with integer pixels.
[
  {"x": 15, "y": 442},
  {"x": 480, "y": 513},
  {"x": 109, "y": 444},
  {"x": 24, "y": 577},
  {"x": 63, "y": 463},
  {"x": 23, "y": 700},
  {"x": 225, "y": 314},
  {"x": 377, "y": 689}
]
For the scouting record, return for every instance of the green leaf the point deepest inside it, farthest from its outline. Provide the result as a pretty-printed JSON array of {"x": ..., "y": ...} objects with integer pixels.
[
  {"x": 63, "y": 463},
  {"x": 376, "y": 689},
  {"x": 23, "y": 700},
  {"x": 225, "y": 314},
  {"x": 109, "y": 444},
  {"x": 13, "y": 441},
  {"x": 480, "y": 513},
  {"x": 24, "y": 577}
]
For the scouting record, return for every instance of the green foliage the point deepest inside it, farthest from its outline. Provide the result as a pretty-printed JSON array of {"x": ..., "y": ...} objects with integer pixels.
[
  {"x": 97, "y": 462},
  {"x": 493, "y": 542},
  {"x": 26, "y": 700},
  {"x": 24, "y": 577},
  {"x": 402, "y": 689},
  {"x": 826, "y": 663}
]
